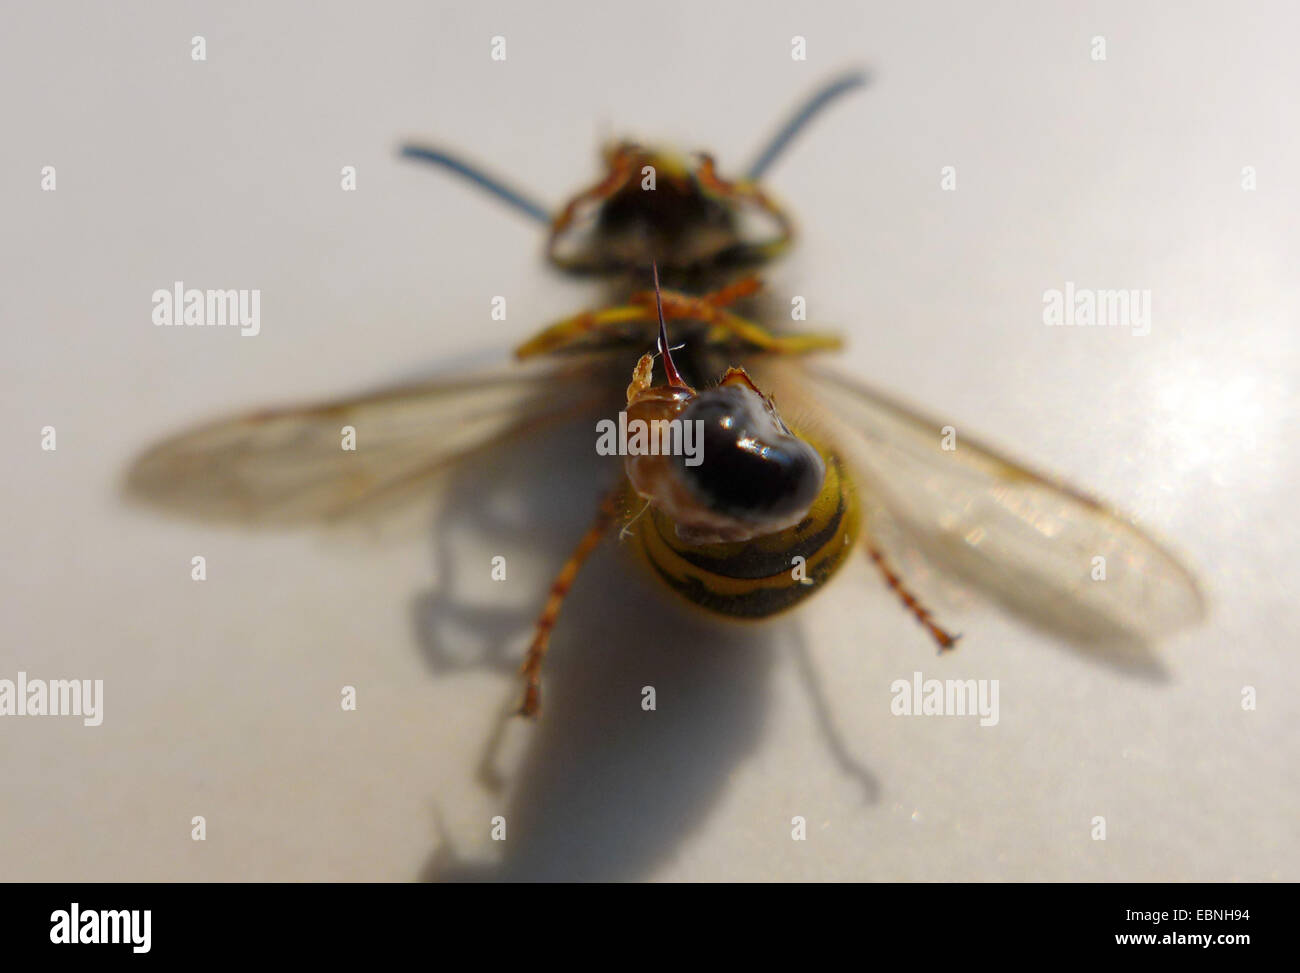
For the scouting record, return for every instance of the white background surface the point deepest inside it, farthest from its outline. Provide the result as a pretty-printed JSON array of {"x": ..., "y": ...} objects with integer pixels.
[{"x": 222, "y": 697}]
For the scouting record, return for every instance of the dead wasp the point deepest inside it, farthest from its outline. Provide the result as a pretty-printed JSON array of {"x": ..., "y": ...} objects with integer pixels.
[{"x": 773, "y": 510}]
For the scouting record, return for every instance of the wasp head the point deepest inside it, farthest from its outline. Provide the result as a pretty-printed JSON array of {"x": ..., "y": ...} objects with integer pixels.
[
  {"x": 654, "y": 205},
  {"x": 659, "y": 206}
]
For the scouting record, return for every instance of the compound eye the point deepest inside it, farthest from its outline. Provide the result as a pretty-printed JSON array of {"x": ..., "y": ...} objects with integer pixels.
[{"x": 751, "y": 468}]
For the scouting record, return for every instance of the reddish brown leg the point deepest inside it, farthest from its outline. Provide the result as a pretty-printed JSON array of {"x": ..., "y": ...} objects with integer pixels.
[
  {"x": 722, "y": 297},
  {"x": 531, "y": 669},
  {"x": 909, "y": 601},
  {"x": 734, "y": 292}
]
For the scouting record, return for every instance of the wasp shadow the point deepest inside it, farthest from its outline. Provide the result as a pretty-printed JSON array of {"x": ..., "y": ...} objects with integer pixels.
[{"x": 607, "y": 790}]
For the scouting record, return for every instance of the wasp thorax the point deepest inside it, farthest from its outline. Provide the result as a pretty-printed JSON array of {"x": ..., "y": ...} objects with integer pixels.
[{"x": 748, "y": 476}]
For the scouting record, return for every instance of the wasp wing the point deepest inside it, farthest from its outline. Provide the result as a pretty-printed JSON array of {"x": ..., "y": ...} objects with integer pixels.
[
  {"x": 290, "y": 465},
  {"x": 1024, "y": 538}
]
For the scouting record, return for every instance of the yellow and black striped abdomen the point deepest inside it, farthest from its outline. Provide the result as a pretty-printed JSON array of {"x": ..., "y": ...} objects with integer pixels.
[{"x": 756, "y": 578}]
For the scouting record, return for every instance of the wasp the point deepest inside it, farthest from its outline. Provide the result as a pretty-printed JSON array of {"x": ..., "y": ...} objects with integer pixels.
[{"x": 776, "y": 506}]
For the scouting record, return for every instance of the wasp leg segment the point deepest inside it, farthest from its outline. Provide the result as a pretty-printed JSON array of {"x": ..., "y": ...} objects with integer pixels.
[
  {"x": 620, "y": 168},
  {"x": 940, "y": 635},
  {"x": 709, "y": 309},
  {"x": 723, "y": 297},
  {"x": 572, "y": 330},
  {"x": 531, "y": 669},
  {"x": 724, "y": 325}
]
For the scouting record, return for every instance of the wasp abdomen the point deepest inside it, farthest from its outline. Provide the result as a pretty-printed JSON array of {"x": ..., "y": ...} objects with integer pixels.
[{"x": 765, "y": 575}]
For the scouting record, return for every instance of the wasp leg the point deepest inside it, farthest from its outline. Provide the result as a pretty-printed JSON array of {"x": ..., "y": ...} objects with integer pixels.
[
  {"x": 620, "y": 168},
  {"x": 725, "y": 324},
  {"x": 572, "y": 330},
  {"x": 709, "y": 309},
  {"x": 940, "y": 635},
  {"x": 531, "y": 669},
  {"x": 723, "y": 297}
]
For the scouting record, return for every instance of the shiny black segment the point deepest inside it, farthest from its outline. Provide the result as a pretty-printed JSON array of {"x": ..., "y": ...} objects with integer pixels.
[{"x": 752, "y": 469}]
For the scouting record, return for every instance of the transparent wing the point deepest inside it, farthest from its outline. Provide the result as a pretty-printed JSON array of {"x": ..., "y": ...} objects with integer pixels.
[
  {"x": 288, "y": 466},
  {"x": 1027, "y": 540}
]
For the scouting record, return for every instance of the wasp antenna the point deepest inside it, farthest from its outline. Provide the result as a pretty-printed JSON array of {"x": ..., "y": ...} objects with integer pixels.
[
  {"x": 802, "y": 116},
  {"x": 674, "y": 376},
  {"x": 480, "y": 178}
]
